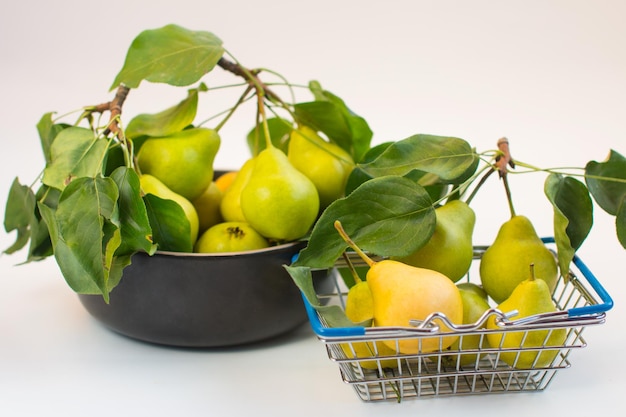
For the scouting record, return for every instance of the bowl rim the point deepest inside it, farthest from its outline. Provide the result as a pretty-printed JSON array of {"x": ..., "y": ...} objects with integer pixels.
[{"x": 273, "y": 248}]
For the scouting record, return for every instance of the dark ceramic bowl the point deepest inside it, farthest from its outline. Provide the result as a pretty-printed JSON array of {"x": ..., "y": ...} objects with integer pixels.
[{"x": 206, "y": 300}]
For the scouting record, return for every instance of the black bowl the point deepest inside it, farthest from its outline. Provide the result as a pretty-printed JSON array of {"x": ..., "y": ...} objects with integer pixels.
[{"x": 206, "y": 300}]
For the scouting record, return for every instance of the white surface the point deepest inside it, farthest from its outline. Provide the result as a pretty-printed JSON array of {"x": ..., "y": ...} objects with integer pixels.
[{"x": 549, "y": 75}]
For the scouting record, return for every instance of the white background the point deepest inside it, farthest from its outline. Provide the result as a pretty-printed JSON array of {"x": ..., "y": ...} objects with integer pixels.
[{"x": 549, "y": 75}]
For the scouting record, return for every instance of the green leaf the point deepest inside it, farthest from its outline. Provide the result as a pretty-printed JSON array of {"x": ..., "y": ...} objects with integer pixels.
[
  {"x": 48, "y": 130},
  {"x": 279, "y": 133},
  {"x": 133, "y": 217},
  {"x": 620, "y": 223},
  {"x": 385, "y": 216},
  {"x": 19, "y": 214},
  {"x": 332, "y": 314},
  {"x": 172, "y": 55},
  {"x": 166, "y": 122},
  {"x": 573, "y": 215},
  {"x": 170, "y": 226},
  {"x": 330, "y": 115},
  {"x": 75, "y": 153},
  {"x": 607, "y": 181},
  {"x": 357, "y": 175},
  {"x": 451, "y": 159},
  {"x": 83, "y": 233}
]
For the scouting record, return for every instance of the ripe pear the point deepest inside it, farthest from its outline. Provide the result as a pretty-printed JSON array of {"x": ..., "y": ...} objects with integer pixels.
[
  {"x": 207, "y": 206},
  {"x": 450, "y": 249},
  {"x": 324, "y": 163},
  {"x": 152, "y": 185},
  {"x": 183, "y": 161},
  {"x": 279, "y": 201},
  {"x": 474, "y": 306},
  {"x": 505, "y": 263},
  {"x": 531, "y": 296},
  {"x": 230, "y": 237},
  {"x": 230, "y": 207},
  {"x": 359, "y": 309}
]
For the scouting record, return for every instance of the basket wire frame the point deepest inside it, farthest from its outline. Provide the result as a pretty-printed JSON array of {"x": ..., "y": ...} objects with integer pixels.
[{"x": 384, "y": 376}]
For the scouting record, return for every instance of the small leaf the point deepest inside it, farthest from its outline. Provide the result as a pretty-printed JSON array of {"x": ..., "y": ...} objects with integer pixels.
[
  {"x": 19, "y": 214},
  {"x": 172, "y": 55},
  {"x": 385, "y": 216},
  {"x": 332, "y": 314},
  {"x": 279, "y": 133},
  {"x": 607, "y": 181},
  {"x": 620, "y": 223},
  {"x": 75, "y": 153},
  {"x": 451, "y": 159},
  {"x": 170, "y": 227},
  {"x": 573, "y": 215},
  {"x": 166, "y": 122},
  {"x": 133, "y": 216}
]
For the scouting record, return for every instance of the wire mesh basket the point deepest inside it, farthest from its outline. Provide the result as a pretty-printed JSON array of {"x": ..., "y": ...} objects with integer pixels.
[{"x": 369, "y": 358}]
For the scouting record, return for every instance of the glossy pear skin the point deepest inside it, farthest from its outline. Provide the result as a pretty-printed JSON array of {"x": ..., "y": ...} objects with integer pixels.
[
  {"x": 360, "y": 308},
  {"x": 324, "y": 163},
  {"x": 532, "y": 296},
  {"x": 450, "y": 248},
  {"x": 152, "y": 185},
  {"x": 279, "y": 201},
  {"x": 230, "y": 237},
  {"x": 183, "y": 161},
  {"x": 230, "y": 206},
  {"x": 402, "y": 292},
  {"x": 207, "y": 206},
  {"x": 505, "y": 263}
]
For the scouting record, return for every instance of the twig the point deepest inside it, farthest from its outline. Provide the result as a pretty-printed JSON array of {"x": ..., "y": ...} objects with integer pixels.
[{"x": 114, "y": 107}]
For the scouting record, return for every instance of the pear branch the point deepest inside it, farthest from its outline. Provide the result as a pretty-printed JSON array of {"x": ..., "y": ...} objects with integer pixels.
[
  {"x": 114, "y": 107},
  {"x": 504, "y": 161}
]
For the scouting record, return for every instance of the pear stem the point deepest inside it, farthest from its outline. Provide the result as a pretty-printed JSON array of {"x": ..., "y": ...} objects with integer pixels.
[
  {"x": 369, "y": 261},
  {"x": 532, "y": 272},
  {"x": 352, "y": 269}
]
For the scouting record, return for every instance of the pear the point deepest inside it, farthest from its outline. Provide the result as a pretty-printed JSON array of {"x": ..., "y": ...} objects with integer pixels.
[
  {"x": 475, "y": 288},
  {"x": 531, "y": 296},
  {"x": 324, "y": 163},
  {"x": 183, "y": 161},
  {"x": 360, "y": 309},
  {"x": 230, "y": 237},
  {"x": 152, "y": 185},
  {"x": 230, "y": 206},
  {"x": 504, "y": 264},
  {"x": 474, "y": 306},
  {"x": 279, "y": 201},
  {"x": 450, "y": 249},
  {"x": 207, "y": 206},
  {"x": 402, "y": 293}
]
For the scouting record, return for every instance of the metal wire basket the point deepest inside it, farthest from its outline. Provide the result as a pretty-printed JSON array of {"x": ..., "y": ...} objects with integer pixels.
[{"x": 369, "y": 359}]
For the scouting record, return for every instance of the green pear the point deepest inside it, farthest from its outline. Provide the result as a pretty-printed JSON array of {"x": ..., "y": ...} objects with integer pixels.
[
  {"x": 207, "y": 206},
  {"x": 450, "y": 249},
  {"x": 279, "y": 201},
  {"x": 324, "y": 163},
  {"x": 230, "y": 206},
  {"x": 183, "y": 161},
  {"x": 475, "y": 288},
  {"x": 152, "y": 185},
  {"x": 505, "y": 263},
  {"x": 474, "y": 306},
  {"x": 530, "y": 297},
  {"x": 230, "y": 237}
]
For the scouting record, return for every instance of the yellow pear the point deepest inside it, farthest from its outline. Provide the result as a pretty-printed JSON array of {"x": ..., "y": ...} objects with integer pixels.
[
  {"x": 324, "y": 163},
  {"x": 230, "y": 206},
  {"x": 531, "y": 296},
  {"x": 449, "y": 250},
  {"x": 505, "y": 263},
  {"x": 279, "y": 201},
  {"x": 152, "y": 185},
  {"x": 359, "y": 309},
  {"x": 182, "y": 161},
  {"x": 402, "y": 293},
  {"x": 207, "y": 206},
  {"x": 230, "y": 237}
]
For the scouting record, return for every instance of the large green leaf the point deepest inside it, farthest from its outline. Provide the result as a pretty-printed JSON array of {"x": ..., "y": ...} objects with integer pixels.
[
  {"x": 170, "y": 226},
  {"x": 385, "y": 216},
  {"x": 573, "y": 215},
  {"x": 449, "y": 158},
  {"x": 620, "y": 223},
  {"x": 172, "y": 55},
  {"x": 607, "y": 181},
  {"x": 19, "y": 214},
  {"x": 135, "y": 227},
  {"x": 76, "y": 152},
  {"x": 168, "y": 121},
  {"x": 84, "y": 233}
]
